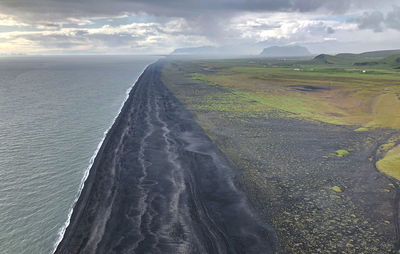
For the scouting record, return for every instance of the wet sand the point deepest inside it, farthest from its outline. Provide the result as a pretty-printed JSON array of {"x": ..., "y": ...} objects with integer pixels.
[{"x": 159, "y": 185}]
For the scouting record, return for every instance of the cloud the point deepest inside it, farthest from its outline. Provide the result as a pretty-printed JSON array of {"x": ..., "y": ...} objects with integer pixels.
[
  {"x": 7, "y": 20},
  {"x": 330, "y": 30},
  {"x": 150, "y": 37},
  {"x": 159, "y": 26},
  {"x": 393, "y": 18},
  {"x": 371, "y": 20},
  {"x": 284, "y": 27},
  {"x": 53, "y": 10},
  {"x": 378, "y": 21}
]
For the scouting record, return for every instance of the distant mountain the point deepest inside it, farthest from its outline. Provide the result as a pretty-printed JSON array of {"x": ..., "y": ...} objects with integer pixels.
[
  {"x": 285, "y": 51},
  {"x": 204, "y": 50}
]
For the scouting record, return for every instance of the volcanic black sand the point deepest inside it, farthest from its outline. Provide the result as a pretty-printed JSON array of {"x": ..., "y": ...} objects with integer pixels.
[{"x": 159, "y": 185}]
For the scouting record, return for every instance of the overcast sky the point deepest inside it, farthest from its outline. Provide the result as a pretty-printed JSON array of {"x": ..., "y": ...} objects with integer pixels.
[{"x": 159, "y": 26}]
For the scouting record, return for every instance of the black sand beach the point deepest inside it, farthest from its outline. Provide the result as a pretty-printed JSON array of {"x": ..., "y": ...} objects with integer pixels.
[{"x": 159, "y": 185}]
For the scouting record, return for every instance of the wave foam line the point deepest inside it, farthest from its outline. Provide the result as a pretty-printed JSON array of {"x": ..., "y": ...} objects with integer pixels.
[{"x": 62, "y": 230}]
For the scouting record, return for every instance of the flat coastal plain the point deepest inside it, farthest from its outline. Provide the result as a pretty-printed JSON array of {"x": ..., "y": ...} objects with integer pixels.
[
  {"x": 160, "y": 185},
  {"x": 315, "y": 147}
]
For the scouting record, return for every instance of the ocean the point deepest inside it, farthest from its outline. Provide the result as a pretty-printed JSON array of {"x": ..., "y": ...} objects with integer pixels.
[{"x": 54, "y": 111}]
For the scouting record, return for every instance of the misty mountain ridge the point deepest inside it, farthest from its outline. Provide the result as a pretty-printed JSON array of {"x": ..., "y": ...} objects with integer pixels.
[
  {"x": 285, "y": 51},
  {"x": 203, "y": 50}
]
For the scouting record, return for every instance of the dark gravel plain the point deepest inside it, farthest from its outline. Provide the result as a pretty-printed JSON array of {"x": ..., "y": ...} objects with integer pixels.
[{"x": 317, "y": 201}]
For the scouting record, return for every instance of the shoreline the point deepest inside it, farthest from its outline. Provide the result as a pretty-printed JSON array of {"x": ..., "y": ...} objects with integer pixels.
[
  {"x": 63, "y": 229},
  {"x": 154, "y": 184}
]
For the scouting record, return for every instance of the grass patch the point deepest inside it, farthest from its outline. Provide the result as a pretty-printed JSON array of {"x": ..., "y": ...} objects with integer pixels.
[
  {"x": 390, "y": 163},
  {"x": 241, "y": 99},
  {"x": 342, "y": 95},
  {"x": 336, "y": 188},
  {"x": 342, "y": 153},
  {"x": 361, "y": 129}
]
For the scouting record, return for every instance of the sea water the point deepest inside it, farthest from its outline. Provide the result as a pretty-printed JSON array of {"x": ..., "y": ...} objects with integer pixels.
[{"x": 54, "y": 111}]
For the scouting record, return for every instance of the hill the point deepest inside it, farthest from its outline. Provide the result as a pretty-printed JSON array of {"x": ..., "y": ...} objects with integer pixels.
[
  {"x": 393, "y": 61},
  {"x": 384, "y": 59},
  {"x": 336, "y": 60},
  {"x": 371, "y": 54}
]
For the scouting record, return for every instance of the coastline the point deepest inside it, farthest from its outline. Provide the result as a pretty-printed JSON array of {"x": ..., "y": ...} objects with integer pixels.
[
  {"x": 158, "y": 184},
  {"x": 63, "y": 229}
]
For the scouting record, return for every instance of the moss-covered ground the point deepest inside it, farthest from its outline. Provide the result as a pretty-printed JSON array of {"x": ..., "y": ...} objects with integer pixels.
[
  {"x": 307, "y": 141},
  {"x": 366, "y": 98}
]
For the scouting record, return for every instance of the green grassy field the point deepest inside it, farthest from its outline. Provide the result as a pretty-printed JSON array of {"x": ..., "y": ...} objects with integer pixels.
[{"x": 367, "y": 98}]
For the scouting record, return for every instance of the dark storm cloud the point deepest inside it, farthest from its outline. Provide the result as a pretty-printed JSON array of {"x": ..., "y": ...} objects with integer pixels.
[
  {"x": 377, "y": 21},
  {"x": 160, "y": 25},
  {"x": 330, "y": 30},
  {"x": 371, "y": 20},
  {"x": 393, "y": 18},
  {"x": 60, "y": 9}
]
